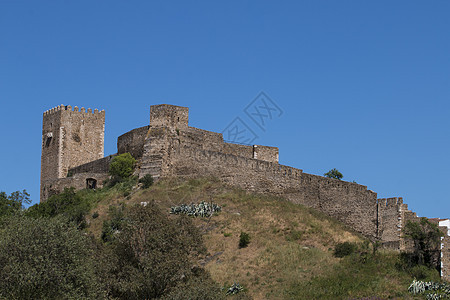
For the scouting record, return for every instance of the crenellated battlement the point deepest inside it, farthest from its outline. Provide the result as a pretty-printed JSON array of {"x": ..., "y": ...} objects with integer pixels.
[
  {"x": 70, "y": 137},
  {"x": 389, "y": 202},
  {"x": 63, "y": 107}
]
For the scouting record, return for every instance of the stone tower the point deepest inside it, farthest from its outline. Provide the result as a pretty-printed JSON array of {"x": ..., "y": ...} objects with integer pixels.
[
  {"x": 169, "y": 115},
  {"x": 69, "y": 138}
]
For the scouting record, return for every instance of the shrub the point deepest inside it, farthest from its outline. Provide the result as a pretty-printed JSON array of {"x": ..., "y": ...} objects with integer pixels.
[
  {"x": 420, "y": 272},
  {"x": 68, "y": 204},
  {"x": 114, "y": 224},
  {"x": 95, "y": 215},
  {"x": 234, "y": 289},
  {"x": 122, "y": 165},
  {"x": 244, "y": 240},
  {"x": 113, "y": 181},
  {"x": 431, "y": 290},
  {"x": 153, "y": 253},
  {"x": 334, "y": 173},
  {"x": 45, "y": 259},
  {"x": 203, "y": 209},
  {"x": 146, "y": 181},
  {"x": 426, "y": 238},
  {"x": 344, "y": 249}
]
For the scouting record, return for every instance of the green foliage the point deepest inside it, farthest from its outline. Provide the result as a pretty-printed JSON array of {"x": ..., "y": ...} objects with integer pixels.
[
  {"x": 426, "y": 238},
  {"x": 45, "y": 259},
  {"x": 431, "y": 290},
  {"x": 354, "y": 278},
  {"x": 95, "y": 215},
  {"x": 234, "y": 289},
  {"x": 244, "y": 239},
  {"x": 227, "y": 234},
  {"x": 150, "y": 253},
  {"x": 122, "y": 166},
  {"x": 69, "y": 204},
  {"x": 13, "y": 203},
  {"x": 114, "y": 224},
  {"x": 146, "y": 181},
  {"x": 344, "y": 249},
  {"x": 334, "y": 173},
  {"x": 421, "y": 272},
  {"x": 113, "y": 181},
  {"x": 203, "y": 209}
]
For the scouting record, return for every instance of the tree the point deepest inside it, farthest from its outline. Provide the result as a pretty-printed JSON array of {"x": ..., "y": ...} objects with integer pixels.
[
  {"x": 122, "y": 165},
  {"x": 334, "y": 173},
  {"x": 45, "y": 259},
  {"x": 14, "y": 202},
  {"x": 426, "y": 239},
  {"x": 150, "y": 254},
  {"x": 68, "y": 204}
]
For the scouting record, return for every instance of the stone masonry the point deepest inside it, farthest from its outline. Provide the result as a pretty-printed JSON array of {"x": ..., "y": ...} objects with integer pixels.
[
  {"x": 70, "y": 138},
  {"x": 72, "y": 155}
]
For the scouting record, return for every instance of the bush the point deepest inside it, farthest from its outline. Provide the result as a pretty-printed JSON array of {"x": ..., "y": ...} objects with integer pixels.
[
  {"x": 426, "y": 238},
  {"x": 114, "y": 224},
  {"x": 45, "y": 259},
  {"x": 146, "y": 181},
  {"x": 122, "y": 165},
  {"x": 113, "y": 181},
  {"x": 244, "y": 240},
  {"x": 151, "y": 253},
  {"x": 421, "y": 272},
  {"x": 334, "y": 173},
  {"x": 68, "y": 204},
  {"x": 344, "y": 249},
  {"x": 203, "y": 209}
]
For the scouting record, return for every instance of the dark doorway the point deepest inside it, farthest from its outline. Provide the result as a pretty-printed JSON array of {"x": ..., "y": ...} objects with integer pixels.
[{"x": 91, "y": 183}]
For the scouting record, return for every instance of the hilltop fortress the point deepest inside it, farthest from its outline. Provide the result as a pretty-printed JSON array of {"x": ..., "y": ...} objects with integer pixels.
[{"x": 72, "y": 156}]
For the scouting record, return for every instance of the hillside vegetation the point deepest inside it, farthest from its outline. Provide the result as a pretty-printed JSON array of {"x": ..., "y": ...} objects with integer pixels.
[
  {"x": 292, "y": 251},
  {"x": 290, "y": 254}
]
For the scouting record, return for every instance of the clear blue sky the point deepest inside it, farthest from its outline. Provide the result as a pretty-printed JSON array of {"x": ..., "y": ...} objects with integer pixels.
[{"x": 364, "y": 85}]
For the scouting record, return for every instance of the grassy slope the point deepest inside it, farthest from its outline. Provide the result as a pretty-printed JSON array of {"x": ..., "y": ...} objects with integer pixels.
[{"x": 290, "y": 253}]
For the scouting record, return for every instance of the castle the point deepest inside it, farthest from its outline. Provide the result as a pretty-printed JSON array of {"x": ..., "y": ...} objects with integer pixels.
[{"x": 72, "y": 156}]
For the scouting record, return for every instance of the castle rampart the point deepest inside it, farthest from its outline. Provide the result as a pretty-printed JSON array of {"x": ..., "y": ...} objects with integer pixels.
[
  {"x": 73, "y": 145},
  {"x": 133, "y": 142},
  {"x": 98, "y": 166},
  {"x": 389, "y": 221},
  {"x": 351, "y": 203}
]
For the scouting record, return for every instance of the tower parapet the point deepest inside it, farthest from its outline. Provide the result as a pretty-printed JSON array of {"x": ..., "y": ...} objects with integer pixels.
[
  {"x": 69, "y": 138},
  {"x": 175, "y": 117}
]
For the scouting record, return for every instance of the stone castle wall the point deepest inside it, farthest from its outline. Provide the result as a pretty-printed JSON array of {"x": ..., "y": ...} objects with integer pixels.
[
  {"x": 70, "y": 138},
  {"x": 445, "y": 257},
  {"x": 351, "y": 203},
  {"x": 98, "y": 166},
  {"x": 389, "y": 221},
  {"x": 170, "y": 147},
  {"x": 133, "y": 142},
  {"x": 78, "y": 181}
]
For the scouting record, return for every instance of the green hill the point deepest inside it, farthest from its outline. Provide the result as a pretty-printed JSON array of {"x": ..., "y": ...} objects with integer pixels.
[
  {"x": 122, "y": 242},
  {"x": 290, "y": 254}
]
